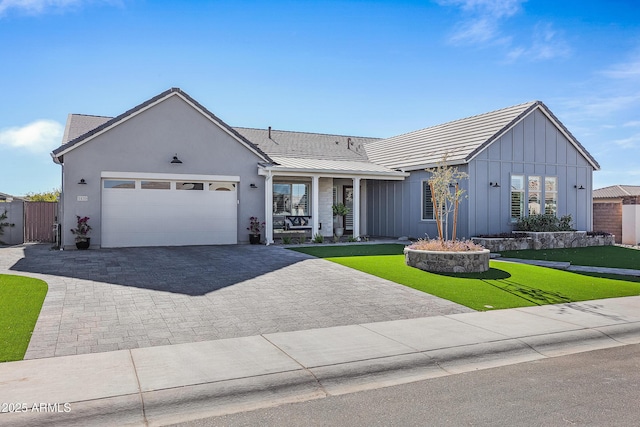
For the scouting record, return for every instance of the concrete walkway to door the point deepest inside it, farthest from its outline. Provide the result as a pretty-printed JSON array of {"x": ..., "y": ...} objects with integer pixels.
[{"x": 113, "y": 299}]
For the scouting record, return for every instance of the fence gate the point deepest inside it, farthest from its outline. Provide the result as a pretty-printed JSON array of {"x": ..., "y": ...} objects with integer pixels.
[{"x": 39, "y": 218}]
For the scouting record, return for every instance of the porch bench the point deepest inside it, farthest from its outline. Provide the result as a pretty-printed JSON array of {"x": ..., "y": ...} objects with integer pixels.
[{"x": 297, "y": 222}]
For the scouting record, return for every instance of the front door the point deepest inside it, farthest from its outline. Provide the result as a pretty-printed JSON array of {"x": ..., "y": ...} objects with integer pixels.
[{"x": 347, "y": 196}]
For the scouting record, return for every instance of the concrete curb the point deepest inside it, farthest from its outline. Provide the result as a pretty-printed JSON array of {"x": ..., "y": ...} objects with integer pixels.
[{"x": 170, "y": 384}]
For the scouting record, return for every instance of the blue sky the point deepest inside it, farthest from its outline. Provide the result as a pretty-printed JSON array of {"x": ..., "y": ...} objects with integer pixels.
[{"x": 366, "y": 68}]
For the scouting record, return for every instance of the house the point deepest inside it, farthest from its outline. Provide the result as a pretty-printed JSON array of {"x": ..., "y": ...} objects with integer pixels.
[
  {"x": 616, "y": 210},
  {"x": 170, "y": 172}
]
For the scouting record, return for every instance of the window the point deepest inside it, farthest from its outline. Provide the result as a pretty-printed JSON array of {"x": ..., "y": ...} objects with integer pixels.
[
  {"x": 427, "y": 202},
  {"x": 222, "y": 186},
  {"x": 535, "y": 195},
  {"x": 189, "y": 186},
  {"x": 155, "y": 185},
  {"x": 551, "y": 195},
  {"x": 115, "y": 183},
  {"x": 517, "y": 197},
  {"x": 291, "y": 199},
  {"x": 540, "y": 199}
]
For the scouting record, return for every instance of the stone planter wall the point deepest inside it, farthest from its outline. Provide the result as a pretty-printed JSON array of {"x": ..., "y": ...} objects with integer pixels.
[
  {"x": 499, "y": 244},
  {"x": 448, "y": 262},
  {"x": 544, "y": 240}
]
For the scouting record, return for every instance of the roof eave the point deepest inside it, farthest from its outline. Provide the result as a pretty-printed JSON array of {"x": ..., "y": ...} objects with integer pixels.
[
  {"x": 82, "y": 139},
  {"x": 395, "y": 175}
]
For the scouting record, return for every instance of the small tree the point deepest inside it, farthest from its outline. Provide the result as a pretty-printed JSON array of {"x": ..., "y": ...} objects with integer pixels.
[
  {"x": 3, "y": 223},
  {"x": 445, "y": 201},
  {"x": 48, "y": 196}
]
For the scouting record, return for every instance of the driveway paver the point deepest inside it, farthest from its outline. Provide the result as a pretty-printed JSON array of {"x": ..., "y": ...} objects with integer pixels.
[{"x": 113, "y": 299}]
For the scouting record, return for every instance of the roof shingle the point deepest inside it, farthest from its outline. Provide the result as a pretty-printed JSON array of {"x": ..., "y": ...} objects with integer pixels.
[{"x": 616, "y": 191}]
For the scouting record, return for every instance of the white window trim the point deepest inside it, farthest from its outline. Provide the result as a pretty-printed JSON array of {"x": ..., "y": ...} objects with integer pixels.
[{"x": 168, "y": 176}]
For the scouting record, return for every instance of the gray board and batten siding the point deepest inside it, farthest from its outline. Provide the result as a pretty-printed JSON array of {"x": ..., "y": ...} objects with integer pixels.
[{"x": 533, "y": 146}]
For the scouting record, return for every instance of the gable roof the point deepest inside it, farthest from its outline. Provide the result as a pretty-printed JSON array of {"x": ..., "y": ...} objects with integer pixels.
[
  {"x": 461, "y": 140},
  {"x": 616, "y": 191},
  {"x": 83, "y": 122},
  {"x": 305, "y": 145},
  {"x": 79, "y": 124}
]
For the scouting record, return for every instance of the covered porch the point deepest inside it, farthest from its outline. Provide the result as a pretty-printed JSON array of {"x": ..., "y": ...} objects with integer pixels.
[{"x": 300, "y": 194}]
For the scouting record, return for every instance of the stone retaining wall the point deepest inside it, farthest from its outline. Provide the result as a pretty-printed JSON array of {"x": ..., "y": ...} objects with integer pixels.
[
  {"x": 544, "y": 240},
  {"x": 448, "y": 262}
]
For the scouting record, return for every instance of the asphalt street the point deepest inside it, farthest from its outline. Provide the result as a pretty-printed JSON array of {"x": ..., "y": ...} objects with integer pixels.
[{"x": 597, "y": 388}]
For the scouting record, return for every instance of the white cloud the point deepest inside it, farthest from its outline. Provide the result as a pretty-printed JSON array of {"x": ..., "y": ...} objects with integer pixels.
[
  {"x": 547, "y": 43},
  {"x": 482, "y": 19},
  {"x": 631, "y": 142},
  {"x": 482, "y": 22},
  {"x": 633, "y": 123},
  {"x": 627, "y": 70},
  {"x": 38, "y": 137},
  {"x": 493, "y": 8},
  {"x": 37, "y": 7}
]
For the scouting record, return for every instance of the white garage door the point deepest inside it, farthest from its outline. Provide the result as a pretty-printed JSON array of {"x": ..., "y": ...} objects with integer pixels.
[{"x": 141, "y": 212}]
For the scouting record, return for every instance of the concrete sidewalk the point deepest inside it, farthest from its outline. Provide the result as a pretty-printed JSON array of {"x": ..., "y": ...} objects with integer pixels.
[{"x": 169, "y": 384}]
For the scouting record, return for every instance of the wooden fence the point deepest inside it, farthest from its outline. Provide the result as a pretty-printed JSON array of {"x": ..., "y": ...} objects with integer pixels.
[{"x": 39, "y": 218}]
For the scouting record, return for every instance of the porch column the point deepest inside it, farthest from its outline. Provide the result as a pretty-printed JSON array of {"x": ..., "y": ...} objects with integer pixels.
[
  {"x": 315, "y": 197},
  {"x": 356, "y": 207},
  {"x": 268, "y": 208}
]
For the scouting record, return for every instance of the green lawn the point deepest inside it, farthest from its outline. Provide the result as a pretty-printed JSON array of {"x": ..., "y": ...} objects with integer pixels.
[
  {"x": 21, "y": 299},
  {"x": 596, "y": 256},
  {"x": 505, "y": 285}
]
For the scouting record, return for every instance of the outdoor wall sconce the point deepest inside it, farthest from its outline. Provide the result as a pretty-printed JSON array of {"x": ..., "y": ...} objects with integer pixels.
[
  {"x": 579, "y": 188},
  {"x": 494, "y": 185},
  {"x": 253, "y": 185},
  {"x": 82, "y": 181},
  {"x": 176, "y": 160}
]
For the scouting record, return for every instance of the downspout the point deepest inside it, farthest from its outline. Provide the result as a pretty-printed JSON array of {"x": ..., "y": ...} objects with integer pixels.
[{"x": 268, "y": 207}]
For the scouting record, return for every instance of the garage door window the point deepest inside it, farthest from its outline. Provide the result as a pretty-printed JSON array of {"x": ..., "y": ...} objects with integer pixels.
[
  {"x": 155, "y": 185},
  {"x": 113, "y": 183},
  {"x": 189, "y": 186},
  {"x": 222, "y": 186}
]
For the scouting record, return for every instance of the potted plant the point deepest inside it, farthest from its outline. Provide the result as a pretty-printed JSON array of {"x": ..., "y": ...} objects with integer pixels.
[
  {"x": 83, "y": 241},
  {"x": 339, "y": 211},
  {"x": 254, "y": 230}
]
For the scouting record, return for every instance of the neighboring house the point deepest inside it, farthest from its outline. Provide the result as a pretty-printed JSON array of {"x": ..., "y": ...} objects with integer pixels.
[
  {"x": 169, "y": 172},
  {"x": 616, "y": 210}
]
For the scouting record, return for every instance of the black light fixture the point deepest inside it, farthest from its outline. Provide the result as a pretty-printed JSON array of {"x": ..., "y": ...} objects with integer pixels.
[
  {"x": 82, "y": 181},
  {"x": 176, "y": 160},
  {"x": 252, "y": 185},
  {"x": 494, "y": 185},
  {"x": 579, "y": 188}
]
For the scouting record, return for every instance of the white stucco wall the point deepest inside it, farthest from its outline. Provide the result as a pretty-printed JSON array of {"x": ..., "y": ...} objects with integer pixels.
[{"x": 631, "y": 224}]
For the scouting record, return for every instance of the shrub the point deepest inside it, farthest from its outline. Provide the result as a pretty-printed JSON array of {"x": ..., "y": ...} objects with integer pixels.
[
  {"x": 598, "y": 233},
  {"x": 544, "y": 222},
  {"x": 318, "y": 238},
  {"x": 445, "y": 245},
  {"x": 302, "y": 239},
  {"x": 502, "y": 236},
  {"x": 286, "y": 240},
  {"x": 352, "y": 239},
  {"x": 3, "y": 217}
]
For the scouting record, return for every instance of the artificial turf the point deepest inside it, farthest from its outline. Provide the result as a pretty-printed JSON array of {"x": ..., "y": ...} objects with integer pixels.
[
  {"x": 505, "y": 285},
  {"x": 21, "y": 299},
  {"x": 595, "y": 256}
]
